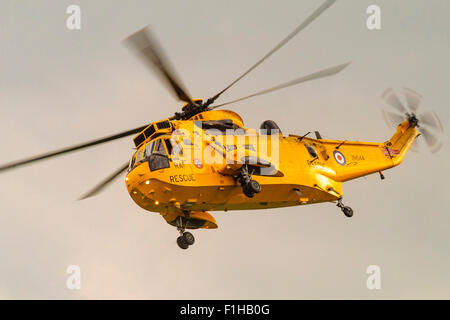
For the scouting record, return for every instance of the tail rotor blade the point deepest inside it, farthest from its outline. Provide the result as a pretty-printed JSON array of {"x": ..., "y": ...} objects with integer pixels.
[
  {"x": 391, "y": 98},
  {"x": 417, "y": 146},
  {"x": 431, "y": 140},
  {"x": 413, "y": 99},
  {"x": 430, "y": 119},
  {"x": 392, "y": 119}
]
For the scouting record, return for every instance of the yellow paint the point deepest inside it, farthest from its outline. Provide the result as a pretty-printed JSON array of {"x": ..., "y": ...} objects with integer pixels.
[{"x": 300, "y": 178}]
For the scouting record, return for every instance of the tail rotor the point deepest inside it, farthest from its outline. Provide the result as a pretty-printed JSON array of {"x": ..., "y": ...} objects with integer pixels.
[{"x": 428, "y": 125}]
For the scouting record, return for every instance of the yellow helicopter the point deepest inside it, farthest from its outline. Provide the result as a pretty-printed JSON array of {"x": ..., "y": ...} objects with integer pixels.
[{"x": 203, "y": 159}]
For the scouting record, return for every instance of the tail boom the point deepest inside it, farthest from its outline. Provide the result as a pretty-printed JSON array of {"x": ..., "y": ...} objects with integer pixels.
[{"x": 353, "y": 159}]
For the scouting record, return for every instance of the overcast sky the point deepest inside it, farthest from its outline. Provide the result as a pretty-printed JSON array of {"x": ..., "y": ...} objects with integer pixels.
[{"x": 61, "y": 87}]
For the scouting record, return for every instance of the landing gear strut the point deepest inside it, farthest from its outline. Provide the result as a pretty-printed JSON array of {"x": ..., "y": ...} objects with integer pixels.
[
  {"x": 249, "y": 186},
  {"x": 185, "y": 239},
  {"x": 348, "y": 212}
]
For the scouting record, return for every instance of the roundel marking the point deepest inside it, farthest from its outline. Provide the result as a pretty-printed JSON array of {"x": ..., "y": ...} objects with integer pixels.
[
  {"x": 339, "y": 157},
  {"x": 198, "y": 163}
]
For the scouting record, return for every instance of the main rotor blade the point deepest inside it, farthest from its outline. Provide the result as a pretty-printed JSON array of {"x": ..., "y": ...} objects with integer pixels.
[
  {"x": 145, "y": 46},
  {"x": 99, "y": 187},
  {"x": 302, "y": 26},
  {"x": 317, "y": 75},
  {"x": 55, "y": 153}
]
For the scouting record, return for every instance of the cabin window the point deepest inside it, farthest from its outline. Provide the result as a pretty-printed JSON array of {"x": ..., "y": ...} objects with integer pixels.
[
  {"x": 249, "y": 147},
  {"x": 231, "y": 148},
  {"x": 221, "y": 125},
  {"x": 218, "y": 143},
  {"x": 312, "y": 152},
  {"x": 158, "y": 159},
  {"x": 176, "y": 148}
]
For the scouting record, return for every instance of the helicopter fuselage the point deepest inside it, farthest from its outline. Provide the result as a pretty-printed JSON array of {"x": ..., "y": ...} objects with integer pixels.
[
  {"x": 308, "y": 170},
  {"x": 200, "y": 187}
]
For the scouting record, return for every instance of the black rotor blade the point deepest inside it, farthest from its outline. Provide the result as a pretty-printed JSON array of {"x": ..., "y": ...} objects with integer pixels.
[
  {"x": 430, "y": 139},
  {"x": 55, "y": 153},
  {"x": 302, "y": 26},
  {"x": 99, "y": 187},
  {"x": 430, "y": 119},
  {"x": 391, "y": 98},
  {"x": 417, "y": 146},
  {"x": 392, "y": 119},
  {"x": 320, "y": 74},
  {"x": 145, "y": 45},
  {"x": 413, "y": 99}
]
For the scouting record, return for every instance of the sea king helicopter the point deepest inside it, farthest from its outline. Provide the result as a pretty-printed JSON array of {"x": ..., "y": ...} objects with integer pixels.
[{"x": 170, "y": 174}]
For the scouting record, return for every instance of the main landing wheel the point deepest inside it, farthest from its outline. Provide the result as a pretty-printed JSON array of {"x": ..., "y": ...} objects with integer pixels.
[
  {"x": 251, "y": 188},
  {"x": 182, "y": 243}
]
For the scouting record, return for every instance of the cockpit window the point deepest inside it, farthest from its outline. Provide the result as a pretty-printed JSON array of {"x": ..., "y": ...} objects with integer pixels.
[
  {"x": 149, "y": 149},
  {"x": 155, "y": 153},
  {"x": 158, "y": 159},
  {"x": 168, "y": 146},
  {"x": 132, "y": 161},
  {"x": 139, "y": 155},
  {"x": 159, "y": 147}
]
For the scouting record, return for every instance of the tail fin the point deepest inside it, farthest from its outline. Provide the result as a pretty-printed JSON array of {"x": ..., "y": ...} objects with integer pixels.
[{"x": 399, "y": 144}]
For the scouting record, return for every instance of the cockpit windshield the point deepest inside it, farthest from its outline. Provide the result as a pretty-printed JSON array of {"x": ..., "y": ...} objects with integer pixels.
[
  {"x": 154, "y": 152},
  {"x": 158, "y": 158}
]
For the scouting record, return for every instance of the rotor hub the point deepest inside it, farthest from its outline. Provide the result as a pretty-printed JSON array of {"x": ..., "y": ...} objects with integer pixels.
[{"x": 412, "y": 118}]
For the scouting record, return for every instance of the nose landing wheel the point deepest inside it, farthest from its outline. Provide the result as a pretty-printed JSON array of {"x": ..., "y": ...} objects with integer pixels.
[{"x": 186, "y": 238}]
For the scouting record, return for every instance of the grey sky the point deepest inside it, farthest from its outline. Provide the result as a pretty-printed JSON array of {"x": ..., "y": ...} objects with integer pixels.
[{"x": 60, "y": 87}]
